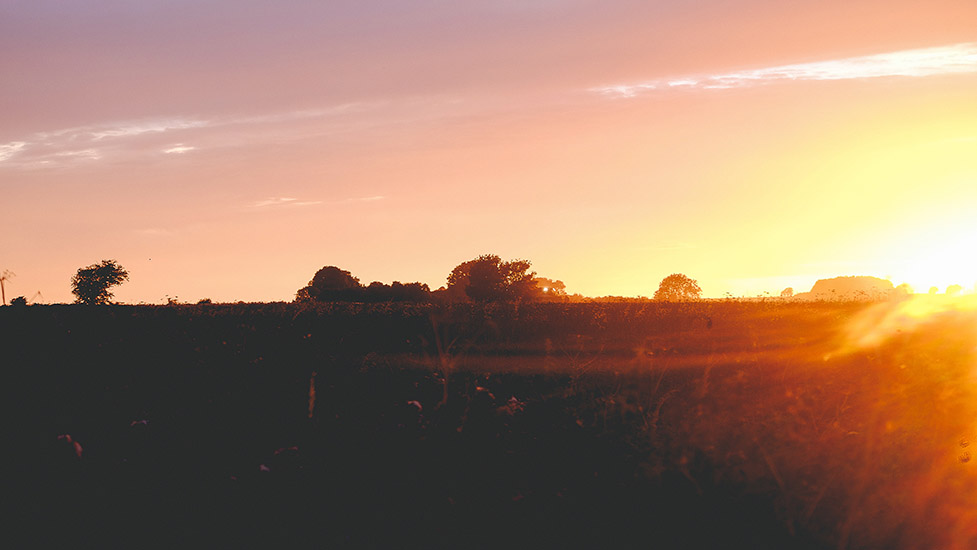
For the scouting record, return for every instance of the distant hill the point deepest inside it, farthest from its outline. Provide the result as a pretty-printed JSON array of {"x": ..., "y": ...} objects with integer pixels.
[{"x": 855, "y": 287}]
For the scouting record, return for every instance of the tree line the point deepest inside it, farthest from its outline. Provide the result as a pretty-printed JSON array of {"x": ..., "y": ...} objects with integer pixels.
[{"x": 486, "y": 278}]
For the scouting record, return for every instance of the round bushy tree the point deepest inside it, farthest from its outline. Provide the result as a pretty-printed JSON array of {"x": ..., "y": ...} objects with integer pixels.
[
  {"x": 91, "y": 284},
  {"x": 489, "y": 279},
  {"x": 678, "y": 288},
  {"x": 331, "y": 284}
]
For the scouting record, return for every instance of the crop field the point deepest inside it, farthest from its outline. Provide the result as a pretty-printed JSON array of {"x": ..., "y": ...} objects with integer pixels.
[{"x": 606, "y": 425}]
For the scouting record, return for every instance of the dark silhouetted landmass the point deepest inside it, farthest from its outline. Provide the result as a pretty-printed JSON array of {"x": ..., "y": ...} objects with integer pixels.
[
  {"x": 710, "y": 424},
  {"x": 855, "y": 287}
]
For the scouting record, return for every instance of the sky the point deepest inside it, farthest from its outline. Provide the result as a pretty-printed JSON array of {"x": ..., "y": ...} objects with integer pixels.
[{"x": 229, "y": 149}]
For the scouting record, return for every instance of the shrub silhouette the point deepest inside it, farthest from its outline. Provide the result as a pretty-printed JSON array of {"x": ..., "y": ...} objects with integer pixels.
[
  {"x": 550, "y": 290},
  {"x": 489, "y": 279},
  {"x": 90, "y": 285},
  {"x": 331, "y": 284},
  {"x": 678, "y": 288}
]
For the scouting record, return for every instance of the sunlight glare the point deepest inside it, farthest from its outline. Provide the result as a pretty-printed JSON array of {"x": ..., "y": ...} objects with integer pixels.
[{"x": 884, "y": 321}]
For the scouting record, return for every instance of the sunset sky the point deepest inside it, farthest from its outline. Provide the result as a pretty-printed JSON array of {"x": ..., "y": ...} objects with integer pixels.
[{"x": 229, "y": 149}]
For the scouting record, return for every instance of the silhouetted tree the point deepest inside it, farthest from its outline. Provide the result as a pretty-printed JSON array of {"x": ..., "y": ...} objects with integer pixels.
[
  {"x": 489, "y": 279},
  {"x": 396, "y": 292},
  {"x": 954, "y": 290},
  {"x": 90, "y": 285},
  {"x": 410, "y": 292},
  {"x": 330, "y": 284},
  {"x": 901, "y": 291},
  {"x": 787, "y": 292},
  {"x": 550, "y": 289},
  {"x": 678, "y": 288},
  {"x": 19, "y": 301}
]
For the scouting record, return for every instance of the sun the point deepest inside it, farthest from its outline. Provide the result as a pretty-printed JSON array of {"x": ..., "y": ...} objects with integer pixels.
[
  {"x": 928, "y": 242},
  {"x": 946, "y": 261}
]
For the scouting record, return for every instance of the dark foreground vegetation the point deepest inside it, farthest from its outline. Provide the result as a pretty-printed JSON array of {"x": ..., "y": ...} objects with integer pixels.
[{"x": 651, "y": 425}]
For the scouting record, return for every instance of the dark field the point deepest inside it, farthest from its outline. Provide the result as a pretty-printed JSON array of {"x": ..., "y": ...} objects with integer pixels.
[{"x": 709, "y": 425}]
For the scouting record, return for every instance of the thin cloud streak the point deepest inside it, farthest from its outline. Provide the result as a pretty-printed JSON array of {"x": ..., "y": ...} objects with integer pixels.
[
  {"x": 44, "y": 148},
  {"x": 150, "y": 127},
  {"x": 282, "y": 201},
  {"x": 301, "y": 114},
  {"x": 8, "y": 150},
  {"x": 92, "y": 154},
  {"x": 40, "y": 147},
  {"x": 945, "y": 60},
  {"x": 276, "y": 202},
  {"x": 365, "y": 199}
]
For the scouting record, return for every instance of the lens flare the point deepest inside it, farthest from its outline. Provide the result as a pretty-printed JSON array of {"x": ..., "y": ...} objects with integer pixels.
[
  {"x": 911, "y": 315},
  {"x": 918, "y": 357}
]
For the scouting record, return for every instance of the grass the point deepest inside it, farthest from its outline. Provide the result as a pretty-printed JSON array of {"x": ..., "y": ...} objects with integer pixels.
[{"x": 717, "y": 425}]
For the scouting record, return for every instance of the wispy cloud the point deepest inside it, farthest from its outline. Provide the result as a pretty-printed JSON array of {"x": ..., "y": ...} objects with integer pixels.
[
  {"x": 146, "y": 127},
  {"x": 275, "y": 202},
  {"x": 179, "y": 149},
  {"x": 46, "y": 148},
  {"x": 8, "y": 150},
  {"x": 300, "y": 114},
  {"x": 56, "y": 147},
  {"x": 282, "y": 201},
  {"x": 92, "y": 154},
  {"x": 955, "y": 59},
  {"x": 365, "y": 199}
]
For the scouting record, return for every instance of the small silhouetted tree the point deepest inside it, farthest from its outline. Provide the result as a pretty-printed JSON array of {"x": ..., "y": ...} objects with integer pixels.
[
  {"x": 19, "y": 301},
  {"x": 91, "y": 284},
  {"x": 901, "y": 291},
  {"x": 787, "y": 292},
  {"x": 550, "y": 290},
  {"x": 330, "y": 284},
  {"x": 489, "y": 279},
  {"x": 678, "y": 288}
]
